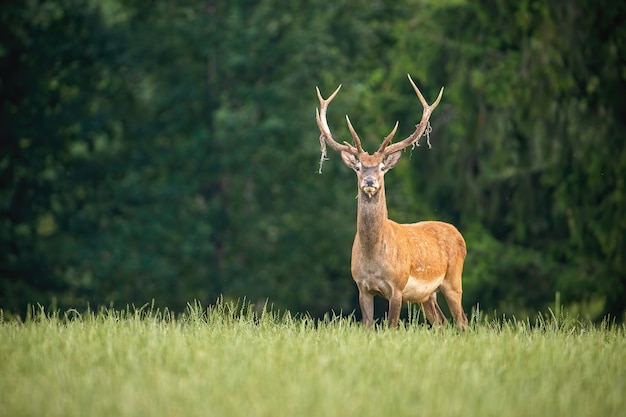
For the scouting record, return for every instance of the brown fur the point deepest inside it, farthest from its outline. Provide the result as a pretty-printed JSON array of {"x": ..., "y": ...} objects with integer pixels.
[
  {"x": 400, "y": 262},
  {"x": 385, "y": 254}
]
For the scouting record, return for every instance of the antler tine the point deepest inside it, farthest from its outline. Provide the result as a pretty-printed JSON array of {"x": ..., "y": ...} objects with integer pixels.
[
  {"x": 320, "y": 114},
  {"x": 388, "y": 139},
  {"x": 355, "y": 137},
  {"x": 322, "y": 123},
  {"x": 420, "y": 127}
]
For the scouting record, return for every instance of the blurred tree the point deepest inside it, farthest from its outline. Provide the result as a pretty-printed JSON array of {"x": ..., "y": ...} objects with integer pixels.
[
  {"x": 45, "y": 118},
  {"x": 176, "y": 163},
  {"x": 530, "y": 157},
  {"x": 168, "y": 151}
]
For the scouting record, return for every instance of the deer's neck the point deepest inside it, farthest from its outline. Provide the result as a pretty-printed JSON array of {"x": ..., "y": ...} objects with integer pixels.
[{"x": 371, "y": 219}]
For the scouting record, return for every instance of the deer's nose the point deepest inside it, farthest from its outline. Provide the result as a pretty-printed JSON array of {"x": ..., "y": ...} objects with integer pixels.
[{"x": 369, "y": 181}]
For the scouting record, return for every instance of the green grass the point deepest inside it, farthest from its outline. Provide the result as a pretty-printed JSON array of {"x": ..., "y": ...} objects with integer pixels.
[{"x": 228, "y": 362}]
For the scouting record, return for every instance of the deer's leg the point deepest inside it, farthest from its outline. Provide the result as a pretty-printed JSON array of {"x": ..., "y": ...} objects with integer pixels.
[
  {"x": 366, "y": 301},
  {"x": 395, "y": 305},
  {"x": 452, "y": 290},
  {"x": 432, "y": 311},
  {"x": 453, "y": 298}
]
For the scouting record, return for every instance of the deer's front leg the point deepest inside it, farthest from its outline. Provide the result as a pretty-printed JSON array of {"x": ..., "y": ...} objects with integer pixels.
[
  {"x": 395, "y": 305},
  {"x": 366, "y": 301}
]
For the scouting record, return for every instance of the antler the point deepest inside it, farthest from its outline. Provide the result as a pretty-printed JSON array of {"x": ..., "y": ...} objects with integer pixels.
[
  {"x": 419, "y": 128},
  {"x": 320, "y": 116}
]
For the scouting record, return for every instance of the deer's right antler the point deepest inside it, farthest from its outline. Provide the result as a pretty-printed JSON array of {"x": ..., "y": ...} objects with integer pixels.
[{"x": 320, "y": 116}]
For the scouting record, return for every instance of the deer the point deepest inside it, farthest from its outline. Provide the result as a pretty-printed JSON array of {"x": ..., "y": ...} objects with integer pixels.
[{"x": 400, "y": 262}]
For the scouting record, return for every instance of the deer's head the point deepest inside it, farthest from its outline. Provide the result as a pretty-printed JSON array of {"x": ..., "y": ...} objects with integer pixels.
[{"x": 371, "y": 168}]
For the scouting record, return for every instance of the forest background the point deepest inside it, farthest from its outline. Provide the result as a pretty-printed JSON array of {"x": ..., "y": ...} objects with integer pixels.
[{"x": 168, "y": 151}]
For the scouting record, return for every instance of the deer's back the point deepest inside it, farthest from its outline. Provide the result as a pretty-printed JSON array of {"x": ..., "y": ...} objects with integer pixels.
[
  {"x": 444, "y": 235},
  {"x": 432, "y": 244}
]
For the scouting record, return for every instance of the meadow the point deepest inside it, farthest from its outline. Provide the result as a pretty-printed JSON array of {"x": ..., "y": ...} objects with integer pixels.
[{"x": 229, "y": 360}]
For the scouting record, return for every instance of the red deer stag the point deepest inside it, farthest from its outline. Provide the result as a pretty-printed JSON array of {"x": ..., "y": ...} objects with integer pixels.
[{"x": 401, "y": 262}]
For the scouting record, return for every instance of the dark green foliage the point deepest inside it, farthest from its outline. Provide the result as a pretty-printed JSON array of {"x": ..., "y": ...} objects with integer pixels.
[{"x": 168, "y": 151}]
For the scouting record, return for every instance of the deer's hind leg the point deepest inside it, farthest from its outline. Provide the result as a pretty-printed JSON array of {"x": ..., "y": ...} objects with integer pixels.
[
  {"x": 452, "y": 290},
  {"x": 433, "y": 313}
]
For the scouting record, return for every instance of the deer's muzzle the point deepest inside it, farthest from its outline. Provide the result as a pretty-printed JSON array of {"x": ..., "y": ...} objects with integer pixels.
[{"x": 369, "y": 185}]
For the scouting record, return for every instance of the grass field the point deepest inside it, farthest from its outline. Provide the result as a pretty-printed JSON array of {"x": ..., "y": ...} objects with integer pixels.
[{"x": 228, "y": 362}]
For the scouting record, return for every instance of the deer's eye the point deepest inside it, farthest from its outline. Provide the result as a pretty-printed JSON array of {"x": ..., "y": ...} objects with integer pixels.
[{"x": 357, "y": 166}]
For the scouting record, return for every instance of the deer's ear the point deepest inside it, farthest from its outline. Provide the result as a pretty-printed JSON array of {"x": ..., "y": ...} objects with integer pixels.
[
  {"x": 391, "y": 160},
  {"x": 350, "y": 160}
]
